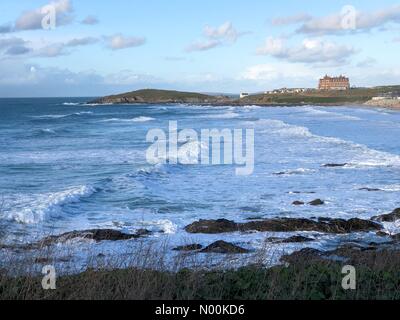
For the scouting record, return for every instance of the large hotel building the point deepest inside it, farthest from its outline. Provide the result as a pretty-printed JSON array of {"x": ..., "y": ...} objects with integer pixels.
[{"x": 334, "y": 83}]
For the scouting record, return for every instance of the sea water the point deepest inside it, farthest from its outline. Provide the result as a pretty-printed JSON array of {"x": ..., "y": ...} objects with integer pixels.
[{"x": 66, "y": 165}]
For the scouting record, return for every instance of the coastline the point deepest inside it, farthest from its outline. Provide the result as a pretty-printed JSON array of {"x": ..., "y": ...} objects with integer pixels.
[
  {"x": 303, "y": 274},
  {"x": 266, "y": 105}
]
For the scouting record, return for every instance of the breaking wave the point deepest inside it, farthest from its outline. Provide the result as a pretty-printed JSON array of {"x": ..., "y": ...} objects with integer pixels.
[
  {"x": 137, "y": 119},
  {"x": 32, "y": 209},
  {"x": 362, "y": 155}
]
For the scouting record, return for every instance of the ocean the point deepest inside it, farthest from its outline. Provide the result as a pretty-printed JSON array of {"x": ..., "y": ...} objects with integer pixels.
[{"x": 66, "y": 165}]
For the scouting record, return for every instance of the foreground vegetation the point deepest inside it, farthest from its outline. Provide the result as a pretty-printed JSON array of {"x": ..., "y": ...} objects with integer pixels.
[{"x": 378, "y": 277}]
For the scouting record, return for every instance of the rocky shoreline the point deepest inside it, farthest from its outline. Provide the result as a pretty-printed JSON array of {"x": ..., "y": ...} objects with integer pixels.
[
  {"x": 223, "y": 226},
  {"x": 305, "y": 273}
]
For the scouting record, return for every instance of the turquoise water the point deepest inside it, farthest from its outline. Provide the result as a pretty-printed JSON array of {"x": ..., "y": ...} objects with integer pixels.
[{"x": 66, "y": 165}]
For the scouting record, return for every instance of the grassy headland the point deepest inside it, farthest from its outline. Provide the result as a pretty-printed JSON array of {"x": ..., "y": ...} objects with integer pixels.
[{"x": 151, "y": 96}]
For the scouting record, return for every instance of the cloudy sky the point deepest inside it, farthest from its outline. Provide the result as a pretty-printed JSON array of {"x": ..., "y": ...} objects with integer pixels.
[{"x": 103, "y": 47}]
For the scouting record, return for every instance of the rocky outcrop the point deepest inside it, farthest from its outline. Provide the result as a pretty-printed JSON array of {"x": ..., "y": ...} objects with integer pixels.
[
  {"x": 316, "y": 202},
  {"x": 298, "y": 203},
  {"x": 370, "y": 189},
  {"x": 95, "y": 235},
  {"x": 325, "y": 225},
  {"x": 334, "y": 165},
  {"x": 372, "y": 256},
  {"x": 224, "y": 248},
  {"x": 294, "y": 239},
  {"x": 190, "y": 247},
  {"x": 390, "y": 217},
  {"x": 384, "y": 103}
]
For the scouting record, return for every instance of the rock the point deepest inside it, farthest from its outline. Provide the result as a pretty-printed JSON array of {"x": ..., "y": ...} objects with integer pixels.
[
  {"x": 297, "y": 239},
  {"x": 370, "y": 189},
  {"x": 376, "y": 257},
  {"x": 42, "y": 260},
  {"x": 255, "y": 218},
  {"x": 326, "y": 225},
  {"x": 298, "y": 203},
  {"x": 224, "y": 247},
  {"x": 382, "y": 234},
  {"x": 316, "y": 202},
  {"x": 212, "y": 226},
  {"x": 294, "y": 239},
  {"x": 301, "y": 192},
  {"x": 190, "y": 247},
  {"x": 335, "y": 165},
  {"x": 390, "y": 217},
  {"x": 95, "y": 234}
]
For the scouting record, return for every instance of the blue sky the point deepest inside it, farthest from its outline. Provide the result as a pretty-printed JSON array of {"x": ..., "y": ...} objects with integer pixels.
[{"x": 104, "y": 47}]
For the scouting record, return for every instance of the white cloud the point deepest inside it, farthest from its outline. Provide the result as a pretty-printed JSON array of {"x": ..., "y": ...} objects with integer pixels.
[
  {"x": 81, "y": 41},
  {"x": 364, "y": 21},
  {"x": 215, "y": 37},
  {"x": 90, "y": 20},
  {"x": 310, "y": 51},
  {"x": 119, "y": 41},
  {"x": 32, "y": 20},
  {"x": 14, "y": 46},
  {"x": 225, "y": 32},
  {"x": 268, "y": 72},
  {"x": 366, "y": 63},
  {"x": 297, "y": 18},
  {"x": 203, "y": 45}
]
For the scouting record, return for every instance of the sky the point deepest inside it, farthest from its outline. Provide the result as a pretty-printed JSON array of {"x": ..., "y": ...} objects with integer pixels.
[{"x": 93, "y": 48}]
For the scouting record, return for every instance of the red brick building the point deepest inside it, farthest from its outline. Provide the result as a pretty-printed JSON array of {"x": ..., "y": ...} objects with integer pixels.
[{"x": 334, "y": 83}]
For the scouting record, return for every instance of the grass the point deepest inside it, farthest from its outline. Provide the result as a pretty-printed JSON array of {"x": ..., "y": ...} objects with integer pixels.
[
  {"x": 149, "y": 280},
  {"x": 160, "y": 95},
  {"x": 317, "y": 281},
  {"x": 352, "y": 96}
]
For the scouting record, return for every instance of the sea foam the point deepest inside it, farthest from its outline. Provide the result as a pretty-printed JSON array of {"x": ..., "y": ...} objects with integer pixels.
[{"x": 32, "y": 209}]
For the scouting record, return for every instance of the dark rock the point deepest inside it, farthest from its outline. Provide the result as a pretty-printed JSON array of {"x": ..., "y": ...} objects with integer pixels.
[
  {"x": 395, "y": 237},
  {"x": 224, "y": 247},
  {"x": 212, "y": 226},
  {"x": 294, "y": 239},
  {"x": 301, "y": 192},
  {"x": 382, "y": 234},
  {"x": 255, "y": 218},
  {"x": 298, "y": 203},
  {"x": 42, "y": 260},
  {"x": 317, "y": 202},
  {"x": 190, "y": 247},
  {"x": 336, "y": 226},
  {"x": 390, "y": 217},
  {"x": 370, "y": 189},
  {"x": 335, "y": 165},
  {"x": 95, "y": 234},
  {"x": 378, "y": 257},
  {"x": 297, "y": 239},
  {"x": 142, "y": 232}
]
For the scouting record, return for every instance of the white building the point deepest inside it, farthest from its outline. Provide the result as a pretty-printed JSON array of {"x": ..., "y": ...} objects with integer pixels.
[{"x": 244, "y": 95}]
